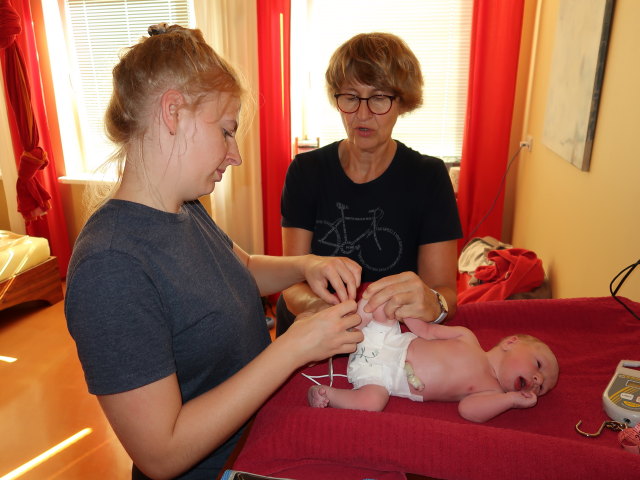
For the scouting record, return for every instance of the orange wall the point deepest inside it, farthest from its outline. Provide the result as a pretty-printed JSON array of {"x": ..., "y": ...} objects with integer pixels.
[{"x": 585, "y": 226}]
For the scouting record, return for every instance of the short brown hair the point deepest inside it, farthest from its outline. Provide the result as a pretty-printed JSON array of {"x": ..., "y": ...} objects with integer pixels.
[{"x": 381, "y": 60}]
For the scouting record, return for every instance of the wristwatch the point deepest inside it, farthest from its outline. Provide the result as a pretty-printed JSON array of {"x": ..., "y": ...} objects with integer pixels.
[{"x": 443, "y": 307}]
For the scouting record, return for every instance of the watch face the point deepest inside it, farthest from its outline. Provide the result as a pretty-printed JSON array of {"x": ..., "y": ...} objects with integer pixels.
[
  {"x": 443, "y": 307},
  {"x": 441, "y": 300}
]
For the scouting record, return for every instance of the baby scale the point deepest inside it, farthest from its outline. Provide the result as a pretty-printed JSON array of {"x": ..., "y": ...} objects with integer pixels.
[{"x": 621, "y": 398}]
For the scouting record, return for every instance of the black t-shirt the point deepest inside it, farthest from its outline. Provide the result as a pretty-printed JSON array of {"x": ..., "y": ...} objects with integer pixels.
[{"x": 379, "y": 224}]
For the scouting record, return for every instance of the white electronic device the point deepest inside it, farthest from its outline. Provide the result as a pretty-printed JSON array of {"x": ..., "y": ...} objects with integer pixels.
[{"x": 621, "y": 399}]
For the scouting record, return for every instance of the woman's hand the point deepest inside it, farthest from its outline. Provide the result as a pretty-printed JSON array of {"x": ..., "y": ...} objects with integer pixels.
[
  {"x": 316, "y": 336},
  {"x": 406, "y": 296},
  {"x": 343, "y": 274},
  {"x": 275, "y": 273}
]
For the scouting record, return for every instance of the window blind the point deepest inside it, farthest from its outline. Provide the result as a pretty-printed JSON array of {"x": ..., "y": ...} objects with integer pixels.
[{"x": 438, "y": 32}]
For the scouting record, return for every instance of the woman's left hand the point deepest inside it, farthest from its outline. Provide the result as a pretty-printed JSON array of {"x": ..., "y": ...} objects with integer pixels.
[
  {"x": 343, "y": 274},
  {"x": 406, "y": 296}
]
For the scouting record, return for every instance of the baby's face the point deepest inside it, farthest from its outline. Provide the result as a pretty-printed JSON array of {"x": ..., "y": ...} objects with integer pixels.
[{"x": 529, "y": 366}]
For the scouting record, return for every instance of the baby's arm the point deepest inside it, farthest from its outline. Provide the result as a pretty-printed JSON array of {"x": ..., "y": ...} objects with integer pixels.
[
  {"x": 435, "y": 331},
  {"x": 483, "y": 406}
]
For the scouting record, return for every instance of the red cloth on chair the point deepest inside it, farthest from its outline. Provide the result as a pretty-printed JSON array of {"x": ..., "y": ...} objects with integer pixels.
[
  {"x": 514, "y": 270},
  {"x": 589, "y": 337}
]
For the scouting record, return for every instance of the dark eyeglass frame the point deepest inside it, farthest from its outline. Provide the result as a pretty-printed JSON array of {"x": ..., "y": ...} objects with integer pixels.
[{"x": 360, "y": 99}]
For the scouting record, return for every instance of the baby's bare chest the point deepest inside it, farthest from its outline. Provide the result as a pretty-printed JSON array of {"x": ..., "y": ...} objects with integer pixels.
[{"x": 450, "y": 369}]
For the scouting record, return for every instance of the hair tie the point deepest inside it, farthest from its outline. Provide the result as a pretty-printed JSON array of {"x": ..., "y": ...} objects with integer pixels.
[{"x": 157, "y": 29}]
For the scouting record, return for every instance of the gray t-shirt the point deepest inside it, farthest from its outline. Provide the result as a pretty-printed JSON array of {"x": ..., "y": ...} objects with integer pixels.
[{"x": 150, "y": 293}]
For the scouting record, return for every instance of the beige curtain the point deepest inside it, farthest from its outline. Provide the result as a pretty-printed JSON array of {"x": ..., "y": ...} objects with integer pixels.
[{"x": 229, "y": 26}]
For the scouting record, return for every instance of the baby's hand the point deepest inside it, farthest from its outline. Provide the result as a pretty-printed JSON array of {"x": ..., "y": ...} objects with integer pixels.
[{"x": 523, "y": 399}]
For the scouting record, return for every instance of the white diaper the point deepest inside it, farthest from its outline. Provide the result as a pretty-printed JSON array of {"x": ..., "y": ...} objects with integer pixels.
[{"x": 379, "y": 360}]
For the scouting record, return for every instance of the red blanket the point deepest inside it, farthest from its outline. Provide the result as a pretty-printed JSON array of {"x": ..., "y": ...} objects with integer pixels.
[{"x": 589, "y": 337}]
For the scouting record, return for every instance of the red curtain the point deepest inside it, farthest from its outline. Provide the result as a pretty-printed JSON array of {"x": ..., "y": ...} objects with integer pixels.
[
  {"x": 275, "y": 115},
  {"x": 495, "y": 47},
  {"x": 37, "y": 186}
]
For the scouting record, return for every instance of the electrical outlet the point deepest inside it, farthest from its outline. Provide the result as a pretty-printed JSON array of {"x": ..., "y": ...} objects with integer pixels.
[{"x": 527, "y": 143}]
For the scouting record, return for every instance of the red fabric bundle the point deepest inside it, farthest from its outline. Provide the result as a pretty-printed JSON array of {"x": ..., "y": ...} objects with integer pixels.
[
  {"x": 589, "y": 337},
  {"x": 514, "y": 270}
]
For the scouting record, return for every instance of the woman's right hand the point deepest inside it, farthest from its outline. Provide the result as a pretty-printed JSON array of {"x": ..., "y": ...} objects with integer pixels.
[
  {"x": 316, "y": 336},
  {"x": 341, "y": 273}
]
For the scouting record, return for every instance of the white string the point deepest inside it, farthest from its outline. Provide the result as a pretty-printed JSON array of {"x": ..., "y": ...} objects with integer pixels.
[{"x": 330, "y": 375}]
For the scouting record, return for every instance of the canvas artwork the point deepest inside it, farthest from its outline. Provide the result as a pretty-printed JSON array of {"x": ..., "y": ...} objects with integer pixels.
[{"x": 577, "y": 70}]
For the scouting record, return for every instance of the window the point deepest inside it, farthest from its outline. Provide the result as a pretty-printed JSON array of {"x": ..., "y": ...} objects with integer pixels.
[
  {"x": 438, "y": 32},
  {"x": 92, "y": 33}
]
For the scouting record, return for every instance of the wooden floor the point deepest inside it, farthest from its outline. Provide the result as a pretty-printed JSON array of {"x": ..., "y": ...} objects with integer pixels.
[{"x": 44, "y": 401}]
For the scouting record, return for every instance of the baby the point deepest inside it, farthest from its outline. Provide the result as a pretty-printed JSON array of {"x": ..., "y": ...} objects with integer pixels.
[{"x": 440, "y": 363}]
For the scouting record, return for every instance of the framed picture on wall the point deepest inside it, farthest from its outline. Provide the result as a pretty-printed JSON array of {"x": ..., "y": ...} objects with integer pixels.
[{"x": 575, "y": 83}]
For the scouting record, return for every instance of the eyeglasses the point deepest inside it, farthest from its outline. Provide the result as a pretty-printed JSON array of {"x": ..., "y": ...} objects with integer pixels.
[{"x": 377, "y": 104}]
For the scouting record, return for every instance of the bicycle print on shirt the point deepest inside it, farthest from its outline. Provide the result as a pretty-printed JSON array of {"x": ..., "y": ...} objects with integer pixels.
[{"x": 363, "y": 239}]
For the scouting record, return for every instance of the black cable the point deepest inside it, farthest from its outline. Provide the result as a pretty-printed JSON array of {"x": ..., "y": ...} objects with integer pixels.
[
  {"x": 614, "y": 292},
  {"x": 495, "y": 200}
]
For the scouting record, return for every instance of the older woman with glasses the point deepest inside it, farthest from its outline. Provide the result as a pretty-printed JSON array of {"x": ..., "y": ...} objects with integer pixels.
[{"x": 372, "y": 198}]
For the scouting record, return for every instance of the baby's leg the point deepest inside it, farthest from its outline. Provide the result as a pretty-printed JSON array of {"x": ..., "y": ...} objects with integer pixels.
[
  {"x": 413, "y": 380},
  {"x": 368, "y": 397}
]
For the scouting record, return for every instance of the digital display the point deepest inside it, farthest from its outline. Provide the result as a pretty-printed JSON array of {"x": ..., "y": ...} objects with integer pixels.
[{"x": 631, "y": 383}]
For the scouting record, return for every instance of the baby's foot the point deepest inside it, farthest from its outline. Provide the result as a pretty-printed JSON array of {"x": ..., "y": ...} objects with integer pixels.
[{"x": 317, "y": 396}]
